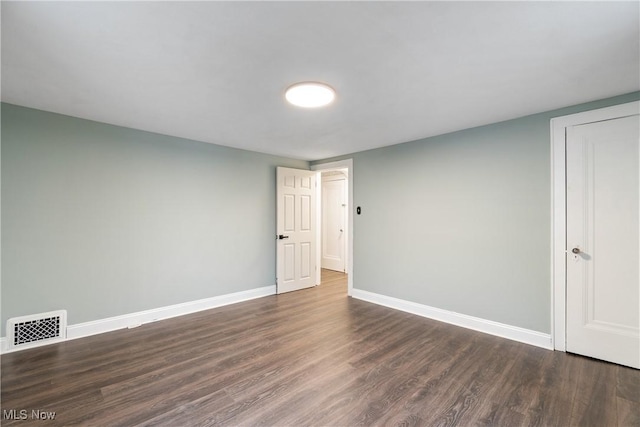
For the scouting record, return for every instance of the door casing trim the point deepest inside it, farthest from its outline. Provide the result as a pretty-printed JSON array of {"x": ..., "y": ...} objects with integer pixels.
[
  {"x": 348, "y": 165},
  {"x": 559, "y": 208}
]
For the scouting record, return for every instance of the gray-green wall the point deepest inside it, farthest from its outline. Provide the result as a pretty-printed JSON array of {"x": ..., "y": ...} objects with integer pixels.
[
  {"x": 462, "y": 221},
  {"x": 102, "y": 220}
]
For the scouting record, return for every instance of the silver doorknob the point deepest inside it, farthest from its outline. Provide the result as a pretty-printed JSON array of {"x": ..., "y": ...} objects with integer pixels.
[{"x": 575, "y": 250}]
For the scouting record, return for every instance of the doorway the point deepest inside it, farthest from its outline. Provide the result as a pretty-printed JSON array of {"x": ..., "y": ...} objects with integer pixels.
[
  {"x": 336, "y": 174},
  {"x": 333, "y": 220},
  {"x": 596, "y": 198}
]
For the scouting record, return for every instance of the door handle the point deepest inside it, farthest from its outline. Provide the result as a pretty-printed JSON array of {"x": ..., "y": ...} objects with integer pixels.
[
  {"x": 282, "y": 236},
  {"x": 575, "y": 250}
]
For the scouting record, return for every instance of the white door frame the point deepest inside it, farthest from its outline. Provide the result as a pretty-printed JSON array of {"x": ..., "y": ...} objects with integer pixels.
[
  {"x": 559, "y": 209},
  {"x": 348, "y": 165}
]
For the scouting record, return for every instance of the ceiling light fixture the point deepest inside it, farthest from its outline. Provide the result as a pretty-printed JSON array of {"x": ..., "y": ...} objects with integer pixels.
[{"x": 310, "y": 94}]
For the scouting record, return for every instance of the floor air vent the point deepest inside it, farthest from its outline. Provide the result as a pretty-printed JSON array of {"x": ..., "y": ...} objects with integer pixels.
[{"x": 37, "y": 329}]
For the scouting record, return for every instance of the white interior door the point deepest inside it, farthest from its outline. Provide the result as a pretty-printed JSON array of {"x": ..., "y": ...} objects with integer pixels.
[
  {"x": 603, "y": 282},
  {"x": 296, "y": 229},
  {"x": 334, "y": 222}
]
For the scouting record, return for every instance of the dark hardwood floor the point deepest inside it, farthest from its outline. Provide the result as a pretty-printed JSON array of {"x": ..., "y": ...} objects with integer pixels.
[{"x": 312, "y": 358}]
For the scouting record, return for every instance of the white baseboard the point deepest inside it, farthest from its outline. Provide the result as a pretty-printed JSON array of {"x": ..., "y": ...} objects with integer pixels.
[
  {"x": 514, "y": 333},
  {"x": 100, "y": 326}
]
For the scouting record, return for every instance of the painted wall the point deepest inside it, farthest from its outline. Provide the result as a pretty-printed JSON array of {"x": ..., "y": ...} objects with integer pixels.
[
  {"x": 102, "y": 220},
  {"x": 462, "y": 221}
]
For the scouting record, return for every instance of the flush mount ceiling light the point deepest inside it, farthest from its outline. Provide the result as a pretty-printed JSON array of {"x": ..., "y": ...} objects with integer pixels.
[{"x": 310, "y": 94}]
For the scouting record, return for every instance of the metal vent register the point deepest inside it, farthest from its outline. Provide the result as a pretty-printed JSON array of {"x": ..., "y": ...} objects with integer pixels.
[{"x": 37, "y": 329}]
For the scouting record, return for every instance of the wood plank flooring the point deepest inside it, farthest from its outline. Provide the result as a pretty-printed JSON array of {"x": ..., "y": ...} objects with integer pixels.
[{"x": 312, "y": 358}]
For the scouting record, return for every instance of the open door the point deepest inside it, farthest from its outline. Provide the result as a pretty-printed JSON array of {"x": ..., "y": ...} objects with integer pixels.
[
  {"x": 296, "y": 229},
  {"x": 603, "y": 195}
]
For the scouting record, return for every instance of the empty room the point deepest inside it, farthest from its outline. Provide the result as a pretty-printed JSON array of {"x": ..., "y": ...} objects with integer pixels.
[{"x": 320, "y": 213}]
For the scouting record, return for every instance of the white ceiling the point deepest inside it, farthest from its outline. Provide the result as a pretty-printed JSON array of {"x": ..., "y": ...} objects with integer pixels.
[{"x": 217, "y": 71}]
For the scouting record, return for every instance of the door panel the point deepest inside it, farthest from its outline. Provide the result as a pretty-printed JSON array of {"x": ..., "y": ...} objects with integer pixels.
[
  {"x": 289, "y": 212},
  {"x": 305, "y": 260},
  {"x": 603, "y": 277},
  {"x": 305, "y": 212},
  {"x": 289, "y": 262},
  {"x": 296, "y": 223}
]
